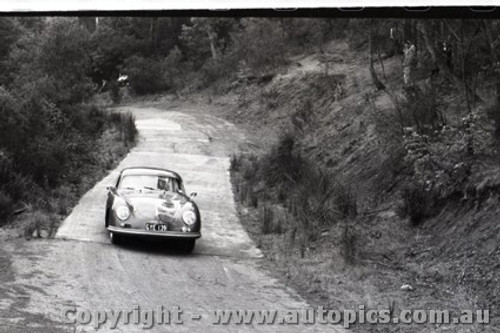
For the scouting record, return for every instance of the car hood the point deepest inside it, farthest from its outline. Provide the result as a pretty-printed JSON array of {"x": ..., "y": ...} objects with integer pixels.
[{"x": 151, "y": 204}]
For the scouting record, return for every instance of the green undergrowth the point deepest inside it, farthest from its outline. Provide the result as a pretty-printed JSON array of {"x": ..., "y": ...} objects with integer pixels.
[{"x": 32, "y": 200}]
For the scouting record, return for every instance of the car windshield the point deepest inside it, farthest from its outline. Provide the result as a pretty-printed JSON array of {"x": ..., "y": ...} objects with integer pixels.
[{"x": 149, "y": 182}]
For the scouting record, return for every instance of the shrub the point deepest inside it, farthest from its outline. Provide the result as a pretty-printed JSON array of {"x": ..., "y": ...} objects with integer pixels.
[
  {"x": 267, "y": 220},
  {"x": 272, "y": 222},
  {"x": 235, "y": 162},
  {"x": 284, "y": 165},
  {"x": 5, "y": 205},
  {"x": 55, "y": 63},
  {"x": 145, "y": 75},
  {"x": 15, "y": 185},
  {"x": 422, "y": 110},
  {"x": 12, "y": 122},
  {"x": 51, "y": 156},
  {"x": 263, "y": 44},
  {"x": 38, "y": 220},
  {"x": 348, "y": 250},
  {"x": 63, "y": 199},
  {"x": 114, "y": 92},
  {"x": 125, "y": 123},
  {"x": 87, "y": 119},
  {"x": 270, "y": 97},
  {"x": 173, "y": 69},
  {"x": 216, "y": 73},
  {"x": 345, "y": 201},
  {"x": 493, "y": 113},
  {"x": 416, "y": 203},
  {"x": 253, "y": 198}
]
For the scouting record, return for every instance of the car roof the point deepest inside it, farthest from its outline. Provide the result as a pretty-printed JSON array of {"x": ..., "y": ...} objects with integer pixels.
[{"x": 143, "y": 171}]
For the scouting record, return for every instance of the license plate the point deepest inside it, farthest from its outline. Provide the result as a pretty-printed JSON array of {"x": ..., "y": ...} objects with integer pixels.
[{"x": 156, "y": 227}]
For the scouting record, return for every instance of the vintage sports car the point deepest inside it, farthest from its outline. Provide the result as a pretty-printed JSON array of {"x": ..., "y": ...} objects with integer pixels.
[{"x": 151, "y": 202}]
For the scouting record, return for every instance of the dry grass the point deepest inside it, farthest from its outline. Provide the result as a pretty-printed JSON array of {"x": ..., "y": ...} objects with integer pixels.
[{"x": 37, "y": 222}]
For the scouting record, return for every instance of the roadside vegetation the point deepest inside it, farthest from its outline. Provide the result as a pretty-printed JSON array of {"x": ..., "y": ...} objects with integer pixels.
[
  {"x": 372, "y": 185},
  {"x": 369, "y": 183},
  {"x": 54, "y": 145}
]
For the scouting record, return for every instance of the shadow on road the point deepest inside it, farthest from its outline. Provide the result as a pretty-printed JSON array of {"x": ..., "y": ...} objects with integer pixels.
[{"x": 171, "y": 247}]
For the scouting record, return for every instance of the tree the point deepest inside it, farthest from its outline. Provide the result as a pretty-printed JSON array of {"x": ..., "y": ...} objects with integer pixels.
[
  {"x": 10, "y": 31},
  {"x": 208, "y": 37},
  {"x": 376, "y": 81},
  {"x": 54, "y": 64},
  {"x": 461, "y": 84},
  {"x": 263, "y": 44}
]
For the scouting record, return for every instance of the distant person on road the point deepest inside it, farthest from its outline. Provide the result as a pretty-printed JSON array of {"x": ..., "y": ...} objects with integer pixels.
[{"x": 409, "y": 62}]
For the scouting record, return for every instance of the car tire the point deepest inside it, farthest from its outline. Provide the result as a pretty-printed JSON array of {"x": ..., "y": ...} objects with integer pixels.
[
  {"x": 188, "y": 245},
  {"x": 106, "y": 219},
  {"x": 115, "y": 238}
]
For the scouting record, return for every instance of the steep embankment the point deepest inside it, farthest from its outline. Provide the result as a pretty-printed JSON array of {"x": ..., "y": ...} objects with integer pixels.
[{"x": 426, "y": 205}]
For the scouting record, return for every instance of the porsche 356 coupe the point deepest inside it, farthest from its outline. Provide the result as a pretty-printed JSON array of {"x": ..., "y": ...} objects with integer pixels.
[{"x": 151, "y": 202}]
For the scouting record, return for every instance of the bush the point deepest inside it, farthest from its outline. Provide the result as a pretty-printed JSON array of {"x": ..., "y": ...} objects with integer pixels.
[
  {"x": 284, "y": 165},
  {"x": 235, "y": 162},
  {"x": 417, "y": 204},
  {"x": 345, "y": 201},
  {"x": 422, "y": 110},
  {"x": 146, "y": 75},
  {"x": 263, "y": 45},
  {"x": 55, "y": 63},
  {"x": 267, "y": 217},
  {"x": 87, "y": 119},
  {"x": 125, "y": 123},
  {"x": 12, "y": 122},
  {"x": 38, "y": 220},
  {"x": 349, "y": 247},
  {"x": 114, "y": 92},
  {"x": 288, "y": 181},
  {"x": 493, "y": 113},
  {"x": 5, "y": 205},
  {"x": 270, "y": 97},
  {"x": 272, "y": 221},
  {"x": 173, "y": 70}
]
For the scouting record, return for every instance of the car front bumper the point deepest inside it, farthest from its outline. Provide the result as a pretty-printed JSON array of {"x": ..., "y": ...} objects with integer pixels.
[{"x": 147, "y": 233}]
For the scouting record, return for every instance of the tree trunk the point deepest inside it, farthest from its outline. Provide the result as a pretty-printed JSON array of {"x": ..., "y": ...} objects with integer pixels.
[
  {"x": 211, "y": 38},
  {"x": 490, "y": 39},
  {"x": 444, "y": 69},
  {"x": 464, "y": 82},
  {"x": 381, "y": 62},
  {"x": 376, "y": 81}
]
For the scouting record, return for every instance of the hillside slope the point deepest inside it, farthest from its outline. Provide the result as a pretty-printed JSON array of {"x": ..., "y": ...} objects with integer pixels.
[{"x": 426, "y": 204}]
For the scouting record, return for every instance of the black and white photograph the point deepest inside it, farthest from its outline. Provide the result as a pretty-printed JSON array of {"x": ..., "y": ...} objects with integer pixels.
[{"x": 250, "y": 171}]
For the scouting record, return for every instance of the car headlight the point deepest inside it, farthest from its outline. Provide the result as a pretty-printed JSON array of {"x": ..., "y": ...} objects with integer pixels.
[
  {"x": 189, "y": 217},
  {"x": 123, "y": 212}
]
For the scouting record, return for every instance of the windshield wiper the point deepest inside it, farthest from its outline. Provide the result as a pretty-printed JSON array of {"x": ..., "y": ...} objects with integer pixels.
[{"x": 149, "y": 188}]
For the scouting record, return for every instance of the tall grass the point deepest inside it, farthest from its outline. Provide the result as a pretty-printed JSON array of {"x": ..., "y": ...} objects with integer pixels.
[
  {"x": 313, "y": 197},
  {"x": 125, "y": 123}
]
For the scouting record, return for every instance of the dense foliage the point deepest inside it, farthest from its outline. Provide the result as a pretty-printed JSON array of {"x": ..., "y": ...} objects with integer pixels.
[
  {"x": 50, "y": 67},
  {"x": 48, "y": 131}
]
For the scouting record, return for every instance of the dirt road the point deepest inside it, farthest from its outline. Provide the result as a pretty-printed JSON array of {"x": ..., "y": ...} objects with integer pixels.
[{"x": 80, "y": 269}]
